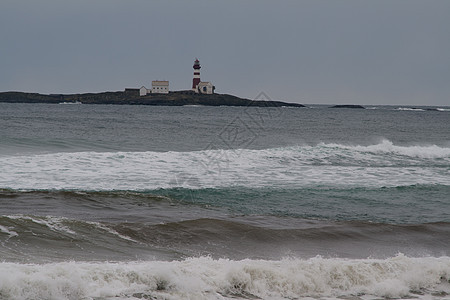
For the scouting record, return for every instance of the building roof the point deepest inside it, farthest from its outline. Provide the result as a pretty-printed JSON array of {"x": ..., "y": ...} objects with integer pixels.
[
  {"x": 160, "y": 83},
  {"x": 202, "y": 83}
]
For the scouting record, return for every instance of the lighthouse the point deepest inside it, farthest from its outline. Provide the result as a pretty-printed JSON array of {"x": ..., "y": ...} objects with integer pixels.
[
  {"x": 196, "y": 79},
  {"x": 198, "y": 86}
]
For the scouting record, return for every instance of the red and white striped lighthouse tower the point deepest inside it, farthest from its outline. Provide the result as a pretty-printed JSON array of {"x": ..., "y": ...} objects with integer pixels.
[{"x": 196, "y": 79}]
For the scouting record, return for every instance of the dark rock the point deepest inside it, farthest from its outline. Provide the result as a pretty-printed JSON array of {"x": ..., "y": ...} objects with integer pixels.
[{"x": 348, "y": 106}]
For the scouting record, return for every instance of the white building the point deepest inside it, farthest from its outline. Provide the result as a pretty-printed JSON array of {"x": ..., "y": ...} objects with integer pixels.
[
  {"x": 160, "y": 87},
  {"x": 205, "y": 87},
  {"x": 143, "y": 91}
]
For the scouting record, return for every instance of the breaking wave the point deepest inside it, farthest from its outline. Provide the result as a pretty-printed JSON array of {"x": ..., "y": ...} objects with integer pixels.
[
  {"x": 410, "y": 109},
  {"x": 383, "y": 164},
  {"x": 207, "y": 278},
  {"x": 387, "y": 147}
]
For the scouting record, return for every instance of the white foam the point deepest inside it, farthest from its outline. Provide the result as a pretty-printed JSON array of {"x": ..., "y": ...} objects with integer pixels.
[
  {"x": 383, "y": 164},
  {"x": 8, "y": 231},
  {"x": 59, "y": 224},
  {"x": 111, "y": 231},
  {"x": 206, "y": 278},
  {"x": 387, "y": 147},
  {"x": 410, "y": 109},
  {"x": 53, "y": 223}
]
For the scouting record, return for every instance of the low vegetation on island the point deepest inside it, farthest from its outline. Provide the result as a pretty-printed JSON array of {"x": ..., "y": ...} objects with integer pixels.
[{"x": 131, "y": 97}]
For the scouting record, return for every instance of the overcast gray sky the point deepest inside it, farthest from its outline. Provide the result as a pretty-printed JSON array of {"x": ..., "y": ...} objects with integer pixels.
[{"x": 314, "y": 51}]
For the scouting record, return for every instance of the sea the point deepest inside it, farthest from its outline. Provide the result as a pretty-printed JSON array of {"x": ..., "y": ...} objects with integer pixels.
[{"x": 112, "y": 202}]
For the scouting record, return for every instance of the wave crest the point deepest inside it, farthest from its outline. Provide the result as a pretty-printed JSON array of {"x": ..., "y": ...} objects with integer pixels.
[
  {"x": 383, "y": 164},
  {"x": 206, "y": 278},
  {"x": 388, "y": 147}
]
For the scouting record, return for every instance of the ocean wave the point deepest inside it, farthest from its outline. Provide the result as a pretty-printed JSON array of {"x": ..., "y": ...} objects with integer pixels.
[
  {"x": 410, "y": 109},
  {"x": 52, "y": 223},
  {"x": 231, "y": 237},
  {"x": 8, "y": 231},
  {"x": 207, "y": 278},
  {"x": 422, "y": 109},
  {"x": 408, "y": 204},
  {"x": 383, "y": 164},
  {"x": 62, "y": 225},
  {"x": 52, "y": 238},
  {"x": 387, "y": 147}
]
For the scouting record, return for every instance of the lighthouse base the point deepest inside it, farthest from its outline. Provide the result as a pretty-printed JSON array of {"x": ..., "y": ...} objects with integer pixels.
[{"x": 204, "y": 88}]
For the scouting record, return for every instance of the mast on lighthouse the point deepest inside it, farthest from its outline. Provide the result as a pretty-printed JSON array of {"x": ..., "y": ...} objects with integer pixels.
[{"x": 196, "y": 79}]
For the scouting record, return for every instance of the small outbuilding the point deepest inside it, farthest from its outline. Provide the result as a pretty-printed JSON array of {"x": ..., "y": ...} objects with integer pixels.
[
  {"x": 143, "y": 91},
  {"x": 131, "y": 92},
  {"x": 205, "y": 87}
]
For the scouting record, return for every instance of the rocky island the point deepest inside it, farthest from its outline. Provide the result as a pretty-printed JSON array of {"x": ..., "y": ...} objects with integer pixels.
[
  {"x": 348, "y": 106},
  {"x": 132, "y": 97}
]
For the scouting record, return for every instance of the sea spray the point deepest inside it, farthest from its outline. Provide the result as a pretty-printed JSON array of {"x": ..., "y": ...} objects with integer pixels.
[{"x": 206, "y": 278}]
